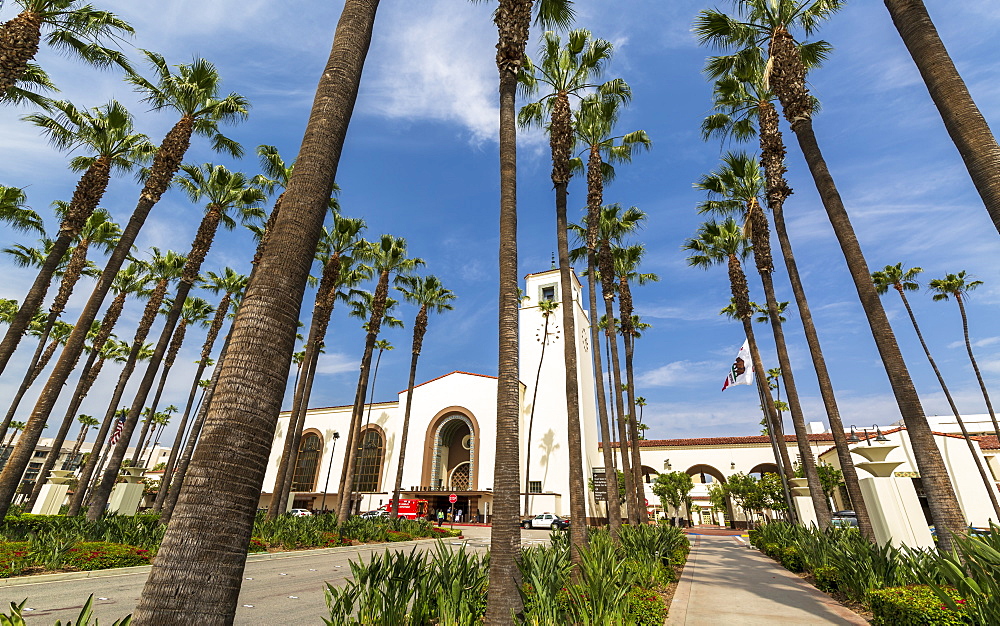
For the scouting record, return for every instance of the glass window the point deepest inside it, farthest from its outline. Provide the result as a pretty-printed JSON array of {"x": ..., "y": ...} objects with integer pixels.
[
  {"x": 534, "y": 486},
  {"x": 369, "y": 462},
  {"x": 307, "y": 463},
  {"x": 549, "y": 292}
]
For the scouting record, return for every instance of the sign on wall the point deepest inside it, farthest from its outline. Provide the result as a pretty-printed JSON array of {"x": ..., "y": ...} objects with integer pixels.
[{"x": 600, "y": 480}]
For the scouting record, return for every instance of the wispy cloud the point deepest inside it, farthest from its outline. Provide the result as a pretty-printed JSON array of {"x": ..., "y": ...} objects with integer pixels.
[
  {"x": 680, "y": 374},
  {"x": 336, "y": 363}
]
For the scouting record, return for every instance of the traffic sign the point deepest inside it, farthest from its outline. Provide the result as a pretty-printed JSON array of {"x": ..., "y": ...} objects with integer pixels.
[
  {"x": 647, "y": 501},
  {"x": 453, "y": 498}
]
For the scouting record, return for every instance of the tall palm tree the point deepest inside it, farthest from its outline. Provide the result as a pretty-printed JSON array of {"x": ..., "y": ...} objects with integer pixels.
[
  {"x": 766, "y": 23},
  {"x": 196, "y": 311},
  {"x": 594, "y": 124},
  {"x": 86, "y": 422},
  {"x": 546, "y": 308},
  {"x": 962, "y": 118},
  {"x": 736, "y": 188},
  {"x": 613, "y": 226},
  {"x": 70, "y": 26},
  {"x": 160, "y": 421},
  {"x": 225, "y": 192},
  {"x": 388, "y": 258},
  {"x": 565, "y": 73},
  {"x": 263, "y": 342},
  {"x": 901, "y": 280},
  {"x": 745, "y": 109},
  {"x": 162, "y": 268},
  {"x": 431, "y": 296},
  {"x": 28, "y": 88},
  {"x": 513, "y": 21},
  {"x": 956, "y": 286},
  {"x": 626, "y": 263},
  {"x": 724, "y": 243},
  {"x": 231, "y": 285},
  {"x": 15, "y": 427},
  {"x": 98, "y": 232},
  {"x": 194, "y": 93},
  {"x": 106, "y": 136},
  {"x": 341, "y": 273}
]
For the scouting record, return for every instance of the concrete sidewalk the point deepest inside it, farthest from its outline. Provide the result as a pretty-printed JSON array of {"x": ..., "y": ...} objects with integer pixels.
[{"x": 726, "y": 582}]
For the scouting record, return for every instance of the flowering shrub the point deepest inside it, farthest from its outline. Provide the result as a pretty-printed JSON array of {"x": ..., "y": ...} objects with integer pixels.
[
  {"x": 646, "y": 607},
  {"x": 916, "y": 605},
  {"x": 395, "y": 535},
  {"x": 13, "y": 558},
  {"x": 256, "y": 545},
  {"x": 827, "y": 578},
  {"x": 102, "y": 555}
]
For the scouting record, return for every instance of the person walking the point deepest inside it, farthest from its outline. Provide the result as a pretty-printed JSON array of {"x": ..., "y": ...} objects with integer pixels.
[{"x": 440, "y": 516}]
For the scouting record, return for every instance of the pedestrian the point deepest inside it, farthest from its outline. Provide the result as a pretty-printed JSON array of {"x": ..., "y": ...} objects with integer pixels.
[
  {"x": 458, "y": 516},
  {"x": 440, "y": 516}
]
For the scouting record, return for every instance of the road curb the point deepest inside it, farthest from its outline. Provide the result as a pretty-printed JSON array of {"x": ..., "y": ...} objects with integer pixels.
[{"x": 17, "y": 581}]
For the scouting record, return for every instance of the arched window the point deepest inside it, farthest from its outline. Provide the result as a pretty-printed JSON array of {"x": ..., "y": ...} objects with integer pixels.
[
  {"x": 369, "y": 462},
  {"x": 307, "y": 463}
]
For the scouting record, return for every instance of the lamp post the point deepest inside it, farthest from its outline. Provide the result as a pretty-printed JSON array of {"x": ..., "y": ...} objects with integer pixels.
[
  {"x": 329, "y": 468},
  {"x": 878, "y": 431}
]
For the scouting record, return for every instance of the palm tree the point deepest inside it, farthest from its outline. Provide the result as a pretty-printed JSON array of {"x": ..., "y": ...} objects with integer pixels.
[
  {"x": 955, "y": 285},
  {"x": 626, "y": 264},
  {"x": 767, "y": 23},
  {"x": 431, "y": 296},
  {"x": 745, "y": 109},
  {"x": 901, "y": 280},
  {"x": 513, "y": 21},
  {"x": 962, "y": 118},
  {"x": 27, "y": 89},
  {"x": 163, "y": 268},
  {"x": 594, "y": 124},
  {"x": 263, "y": 341},
  {"x": 17, "y": 214},
  {"x": 336, "y": 246},
  {"x": 107, "y": 136},
  {"x": 71, "y": 27},
  {"x": 225, "y": 191},
  {"x": 86, "y": 422},
  {"x": 161, "y": 419},
  {"x": 566, "y": 72},
  {"x": 196, "y": 311},
  {"x": 737, "y": 188},
  {"x": 381, "y": 345},
  {"x": 194, "y": 93},
  {"x": 98, "y": 231},
  {"x": 546, "y": 308},
  {"x": 718, "y": 243},
  {"x": 388, "y": 258},
  {"x": 15, "y": 427},
  {"x": 232, "y": 286}
]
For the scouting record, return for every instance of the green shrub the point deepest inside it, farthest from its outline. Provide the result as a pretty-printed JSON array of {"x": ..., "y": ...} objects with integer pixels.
[
  {"x": 102, "y": 555},
  {"x": 256, "y": 545},
  {"x": 13, "y": 558},
  {"x": 791, "y": 558},
  {"x": 395, "y": 535},
  {"x": 827, "y": 578},
  {"x": 645, "y": 607},
  {"x": 915, "y": 605},
  {"x": 772, "y": 550}
]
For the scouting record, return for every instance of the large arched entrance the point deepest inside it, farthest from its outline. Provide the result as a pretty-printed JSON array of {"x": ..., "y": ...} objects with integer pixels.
[
  {"x": 453, "y": 462},
  {"x": 705, "y": 478}
]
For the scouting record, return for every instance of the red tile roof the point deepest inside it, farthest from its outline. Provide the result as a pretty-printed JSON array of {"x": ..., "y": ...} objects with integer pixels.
[
  {"x": 724, "y": 441},
  {"x": 989, "y": 442}
]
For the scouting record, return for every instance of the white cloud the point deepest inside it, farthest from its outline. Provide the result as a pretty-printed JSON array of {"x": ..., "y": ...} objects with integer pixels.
[
  {"x": 680, "y": 373},
  {"x": 336, "y": 363},
  {"x": 981, "y": 343}
]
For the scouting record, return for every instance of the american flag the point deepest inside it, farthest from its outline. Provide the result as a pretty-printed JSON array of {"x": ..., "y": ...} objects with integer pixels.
[{"x": 117, "y": 434}]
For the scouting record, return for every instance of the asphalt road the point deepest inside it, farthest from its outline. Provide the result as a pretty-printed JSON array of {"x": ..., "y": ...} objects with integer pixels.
[{"x": 283, "y": 590}]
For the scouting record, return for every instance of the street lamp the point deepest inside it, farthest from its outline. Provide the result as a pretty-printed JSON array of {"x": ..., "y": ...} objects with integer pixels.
[
  {"x": 878, "y": 431},
  {"x": 329, "y": 468}
]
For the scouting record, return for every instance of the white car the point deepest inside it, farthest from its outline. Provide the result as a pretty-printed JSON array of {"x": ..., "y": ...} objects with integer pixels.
[
  {"x": 545, "y": 520},
  {"x": 300, "y": 512}
]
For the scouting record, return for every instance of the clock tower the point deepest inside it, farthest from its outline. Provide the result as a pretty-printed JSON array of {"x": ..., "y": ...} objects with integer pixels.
[{"x": 542, "y": 359}]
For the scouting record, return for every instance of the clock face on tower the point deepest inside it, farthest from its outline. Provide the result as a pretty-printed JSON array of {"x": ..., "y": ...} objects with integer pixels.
[{"x": 554, "y": 332}]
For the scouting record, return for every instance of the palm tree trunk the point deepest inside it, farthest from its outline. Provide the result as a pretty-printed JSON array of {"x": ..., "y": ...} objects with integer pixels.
[
  {"x": 974, "y": 449},
  {"x": 175, "y": 347},
  {"x": 608, "y": 291},
  {"x": 279, "y": 499},
  {"x": 628, "y": 339},
  {"x": 531, "y": 420},
  {"x": 975, "y": 366},
  {"x": 231, "y": 458},
  {"x": 295, "y": 434},
  {"x": 87, "y": 195},
  {"x": 419, "y": 328},
  {"x": 962, "y": 118},
  {"x": 513, "y": 20},
  {"x": 165, "y": 164},
  {"x": 368, "y": 417},
  {"x": 206, "y": 351},
  {"x": 80, "y": 438}
]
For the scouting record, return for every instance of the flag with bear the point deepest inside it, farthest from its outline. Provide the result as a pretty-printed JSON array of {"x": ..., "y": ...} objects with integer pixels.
[{"x": 741, "y": 373}]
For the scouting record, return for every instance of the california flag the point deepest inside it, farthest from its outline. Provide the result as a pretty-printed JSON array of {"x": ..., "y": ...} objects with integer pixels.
[{"x": 741, "y": 373}]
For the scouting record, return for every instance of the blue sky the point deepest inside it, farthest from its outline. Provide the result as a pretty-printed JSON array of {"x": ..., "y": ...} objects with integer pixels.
[{"x": 421, "y": 162}]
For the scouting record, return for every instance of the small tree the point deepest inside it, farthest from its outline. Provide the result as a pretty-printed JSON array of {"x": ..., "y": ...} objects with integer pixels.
[{"x": 673, "y": 489}]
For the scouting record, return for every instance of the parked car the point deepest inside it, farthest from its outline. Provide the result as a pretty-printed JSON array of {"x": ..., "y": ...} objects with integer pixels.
[
  {"x": 546, "y": 520},
  {"x": 375, "y": 513},
  {"x": 845, "y": 519},
  {"x": 300, "y": 512}
]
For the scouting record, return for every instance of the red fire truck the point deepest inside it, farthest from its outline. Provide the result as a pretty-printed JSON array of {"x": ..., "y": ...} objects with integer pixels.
[{"x": 410, "y": 508}]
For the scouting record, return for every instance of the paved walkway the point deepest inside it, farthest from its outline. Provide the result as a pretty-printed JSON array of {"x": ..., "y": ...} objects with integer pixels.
[{"x": 726, "y": 582}]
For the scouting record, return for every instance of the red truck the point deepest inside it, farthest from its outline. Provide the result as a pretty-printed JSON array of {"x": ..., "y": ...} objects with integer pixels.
[{"x": 410, "y": 508}]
